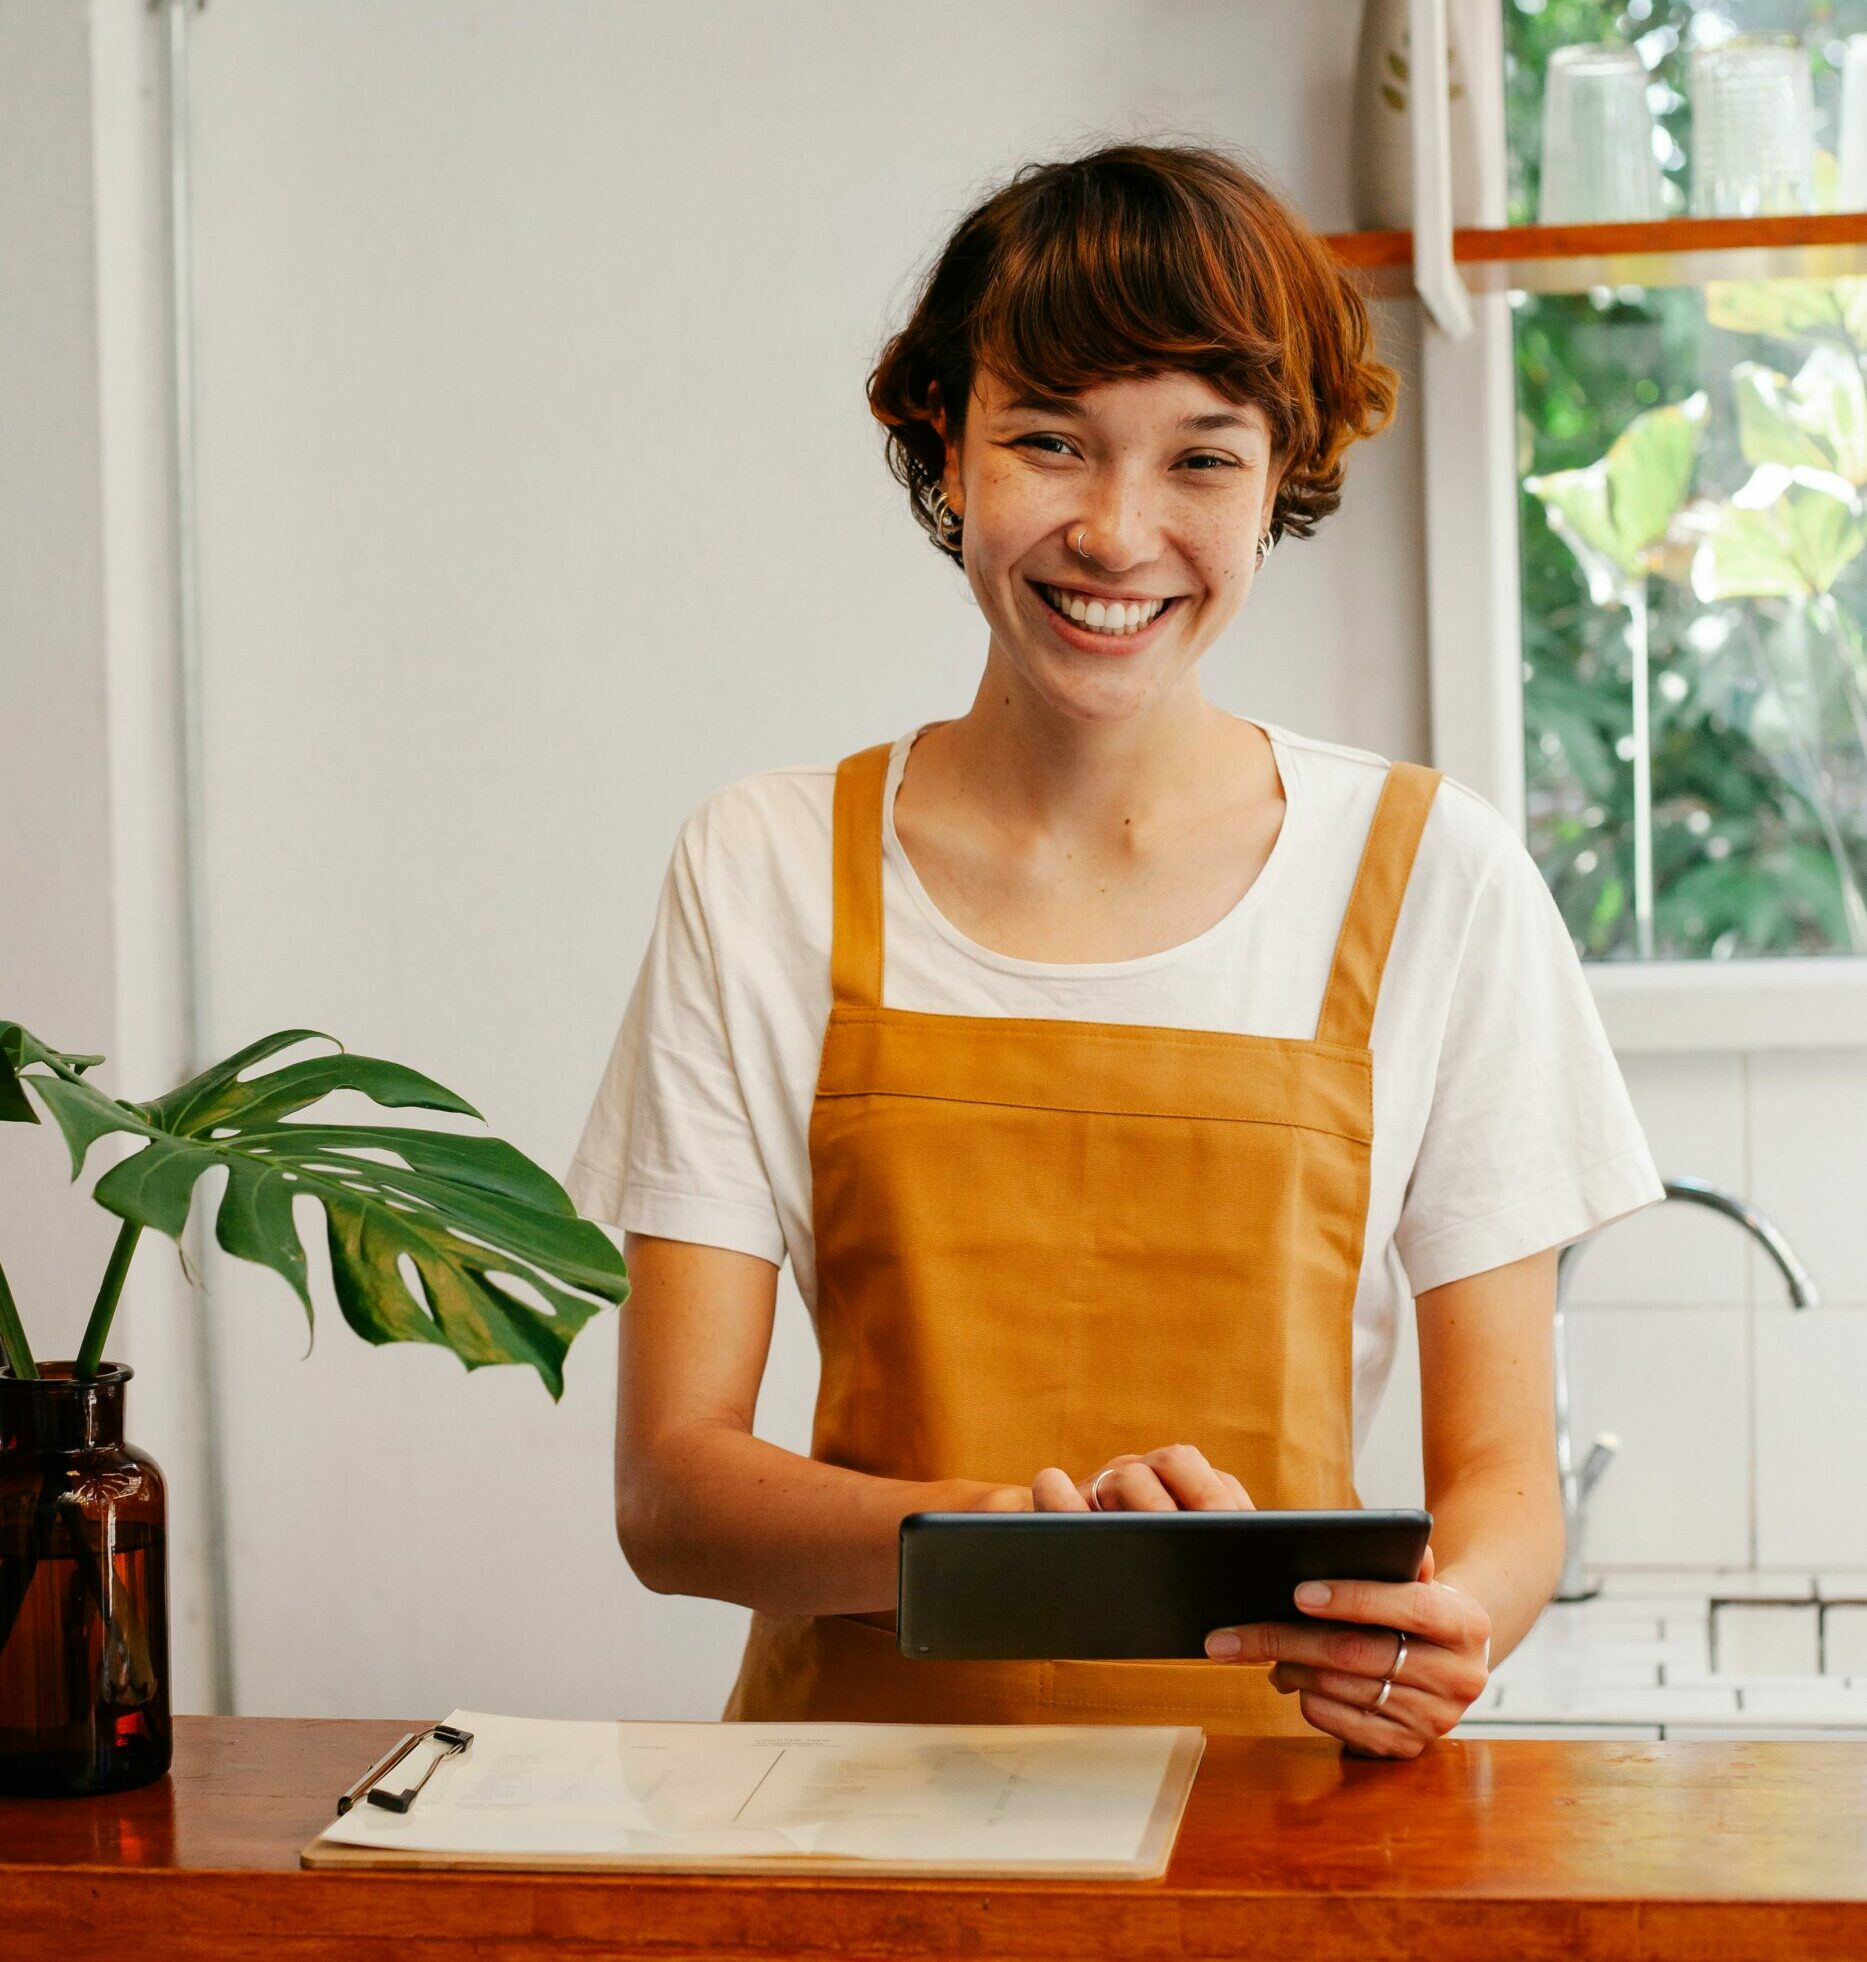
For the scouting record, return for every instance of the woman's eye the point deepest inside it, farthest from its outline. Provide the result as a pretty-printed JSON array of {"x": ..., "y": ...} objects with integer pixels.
[{"x": 1224, "y": 462}]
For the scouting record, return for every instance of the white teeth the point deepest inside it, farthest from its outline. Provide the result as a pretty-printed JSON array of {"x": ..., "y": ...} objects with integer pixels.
[{"x": 1115, "y": 617}]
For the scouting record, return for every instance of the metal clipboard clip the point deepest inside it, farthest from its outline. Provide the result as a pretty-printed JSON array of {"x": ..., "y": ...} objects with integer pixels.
[{"x": 453, "y": 1741}]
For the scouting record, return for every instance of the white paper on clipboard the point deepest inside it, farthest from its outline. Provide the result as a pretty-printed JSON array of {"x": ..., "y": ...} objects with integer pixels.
[{"x": 965, "y": 1798}]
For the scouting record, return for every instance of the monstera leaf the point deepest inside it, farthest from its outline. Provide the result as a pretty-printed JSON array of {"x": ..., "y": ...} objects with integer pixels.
[
  {"x": 1817, "y": 421},
  {"x": 1614, "y": 513},
  {"x": 462, "y": 1210},
  {"x": 1788, "y": 534},
  {"x": 17, "y": 1049},
  {"x": 1791, "y": 309}
]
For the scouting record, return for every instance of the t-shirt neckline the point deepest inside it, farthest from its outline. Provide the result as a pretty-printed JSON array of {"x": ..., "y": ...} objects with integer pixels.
[{"x": 895, "y": 853}]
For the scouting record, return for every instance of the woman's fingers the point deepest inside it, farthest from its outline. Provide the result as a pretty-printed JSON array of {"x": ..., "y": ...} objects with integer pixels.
[
  {"x": 1175, "y": 1478},
  {"x": 1053, "y": 1491},
  {"x": 1367, "y": 1733},
  {"x": 1241, "y": 1499},
  {"x": 1193, "y": 1484},
  {"x": 1002, "y": 1498},
  {"x": 1363, "y": 1690},
  {"x": 1132, "y": 1486}
]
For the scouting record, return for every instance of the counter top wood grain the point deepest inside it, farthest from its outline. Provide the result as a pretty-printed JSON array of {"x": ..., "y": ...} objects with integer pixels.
[{"x": 1492, "y": 1849}]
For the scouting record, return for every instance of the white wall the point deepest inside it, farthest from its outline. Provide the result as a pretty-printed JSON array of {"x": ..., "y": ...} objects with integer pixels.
[
  {"x": 539, "y": 498},
  {"x": 57, "y": 946},
  {"x": 91, "y": 896}
]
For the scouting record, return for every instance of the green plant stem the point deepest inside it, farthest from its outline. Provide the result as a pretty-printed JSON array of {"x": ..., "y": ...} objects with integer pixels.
[
  {"x": 1634, "y": 596},
  {"x": 13, "y": 1343},
  {"x": 91, "y": 1349}
]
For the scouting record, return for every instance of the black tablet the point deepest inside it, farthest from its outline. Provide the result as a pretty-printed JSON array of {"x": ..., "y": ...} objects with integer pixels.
[{"x": 1004, "y": 1586}]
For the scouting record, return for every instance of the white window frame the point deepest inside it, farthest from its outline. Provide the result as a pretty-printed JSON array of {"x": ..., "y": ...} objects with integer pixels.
[{"x": 1475, "y": 654}]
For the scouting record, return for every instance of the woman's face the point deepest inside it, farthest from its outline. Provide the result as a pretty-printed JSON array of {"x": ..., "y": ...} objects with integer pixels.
[{"x": 1167, "y": 510}]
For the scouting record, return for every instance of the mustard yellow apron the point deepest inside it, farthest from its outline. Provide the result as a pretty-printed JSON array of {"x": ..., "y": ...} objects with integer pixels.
[{"x": 1044, "y": 1242}]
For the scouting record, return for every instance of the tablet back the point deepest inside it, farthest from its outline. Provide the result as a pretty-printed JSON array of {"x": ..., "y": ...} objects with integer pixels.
[{"x": 1003, "y": 1586}]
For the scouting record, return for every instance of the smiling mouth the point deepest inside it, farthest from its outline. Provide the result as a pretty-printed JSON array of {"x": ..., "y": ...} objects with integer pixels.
[{"x": 1143, "y": 614}]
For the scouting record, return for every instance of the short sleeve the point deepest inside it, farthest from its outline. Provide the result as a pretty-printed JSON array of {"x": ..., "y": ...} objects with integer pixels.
[
  {"x": 1531, "y": 1139},
  {"x": 668, "y": 1147}
]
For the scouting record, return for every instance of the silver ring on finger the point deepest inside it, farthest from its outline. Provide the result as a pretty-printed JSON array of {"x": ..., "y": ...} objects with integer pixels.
[
  {"x": 1399, "y": 1657},
  {"x": 1095, "y": 1489},
  {"x": 1386, "y": 1685}
]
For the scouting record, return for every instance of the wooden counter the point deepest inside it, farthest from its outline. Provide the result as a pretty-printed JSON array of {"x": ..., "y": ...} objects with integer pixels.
[{"x": 1508, "y": 1851}]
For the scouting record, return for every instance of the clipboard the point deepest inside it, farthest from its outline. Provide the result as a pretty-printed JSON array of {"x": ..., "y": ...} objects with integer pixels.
[
  {"x": 374, "y": 1787},
  {"x": 1008, "y": 1801}
]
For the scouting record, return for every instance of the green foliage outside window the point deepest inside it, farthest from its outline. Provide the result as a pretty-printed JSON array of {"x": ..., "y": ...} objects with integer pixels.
[{"x": 1692, "y": 463}]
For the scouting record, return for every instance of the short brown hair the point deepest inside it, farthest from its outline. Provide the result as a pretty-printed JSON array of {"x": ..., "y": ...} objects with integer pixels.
[{"x": 1134, "y": 260}]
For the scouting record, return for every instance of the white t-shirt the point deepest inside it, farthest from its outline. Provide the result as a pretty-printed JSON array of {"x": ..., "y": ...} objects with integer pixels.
[{"x": 1501, "y": 1122}]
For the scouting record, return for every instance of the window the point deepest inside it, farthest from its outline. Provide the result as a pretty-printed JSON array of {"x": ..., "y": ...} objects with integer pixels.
[{"x": 1692, "y": 543}]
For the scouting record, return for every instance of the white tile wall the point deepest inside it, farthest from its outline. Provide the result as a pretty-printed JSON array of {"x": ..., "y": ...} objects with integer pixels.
[
  {"x": 1674, "y": 1385},
  {"x": 1568, "y": 1733},
  {"x": 1844, "y": 1641},
  {"x": 1691, "y": 1675},
  {"x": 1602, "y": 1625},
  {"x": 1762, "y": 1733},
  {"x": 1743, "y": 1445},
  {"x": 1811, "y": 1437},
  {"x": 1592, "y": 1669},
  {"x": 1808, "y": 1126},
  {"x": 1757, "y": 1638},
  {"x": 1818, "y": 1699},
  {"x": 1533, "y": 1702},
  {"x": 1673, "y": 1590}
]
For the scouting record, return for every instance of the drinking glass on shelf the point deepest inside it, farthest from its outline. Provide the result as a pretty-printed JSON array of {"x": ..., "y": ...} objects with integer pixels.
[
  {"x": 1599, "y": 161},
  {"x": 1753, "y": 128},
  {"x": 1851, "y": 160}
]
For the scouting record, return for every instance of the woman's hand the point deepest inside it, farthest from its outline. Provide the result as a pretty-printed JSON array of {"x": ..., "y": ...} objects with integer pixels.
[
  {"x": 1337, "y": 1667},
  {"x": 1175, "y": 1478}
]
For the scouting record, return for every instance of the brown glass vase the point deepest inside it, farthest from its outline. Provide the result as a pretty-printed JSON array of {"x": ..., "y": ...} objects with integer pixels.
[{"x": 84, "y": 1647}]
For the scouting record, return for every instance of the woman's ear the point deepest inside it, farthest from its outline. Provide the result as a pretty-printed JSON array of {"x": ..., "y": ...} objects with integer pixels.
[{"x": 949, "y": 470}]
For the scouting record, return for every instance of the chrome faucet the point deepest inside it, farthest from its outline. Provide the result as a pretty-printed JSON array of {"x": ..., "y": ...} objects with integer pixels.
[{"x": 1577, "y": 1485}]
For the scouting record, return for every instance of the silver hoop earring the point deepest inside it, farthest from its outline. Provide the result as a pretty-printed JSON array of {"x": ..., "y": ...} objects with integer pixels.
[
  {"x": 943, "y": 512},
  {"x": 1265, "y": 546}
]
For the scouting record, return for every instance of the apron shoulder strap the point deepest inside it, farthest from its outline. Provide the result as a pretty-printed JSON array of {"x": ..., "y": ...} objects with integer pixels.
[
  {"x": 1374, "y": 904},
  {"x": 856, "y": 878}
]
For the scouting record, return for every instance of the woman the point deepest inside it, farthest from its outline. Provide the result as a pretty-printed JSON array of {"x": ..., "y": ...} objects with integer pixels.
[{"x": 1089, "y": 1052}]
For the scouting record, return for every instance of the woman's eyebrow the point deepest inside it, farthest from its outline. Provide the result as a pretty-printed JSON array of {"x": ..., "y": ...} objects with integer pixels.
[
  {"x": 1044, "y": 405},
  {"x": 1060, "y": 405}
]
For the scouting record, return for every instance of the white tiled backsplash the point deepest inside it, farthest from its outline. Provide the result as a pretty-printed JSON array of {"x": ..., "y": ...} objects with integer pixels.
[
  {"x": 1742, "y": 1421},
  {"x": 1844, "y": 1638},
  {"x": 1670, "y": 1653}
]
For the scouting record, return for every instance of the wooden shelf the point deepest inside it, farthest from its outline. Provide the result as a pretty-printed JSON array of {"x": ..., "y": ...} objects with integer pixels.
[{"x": 1671, "y": 252}]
